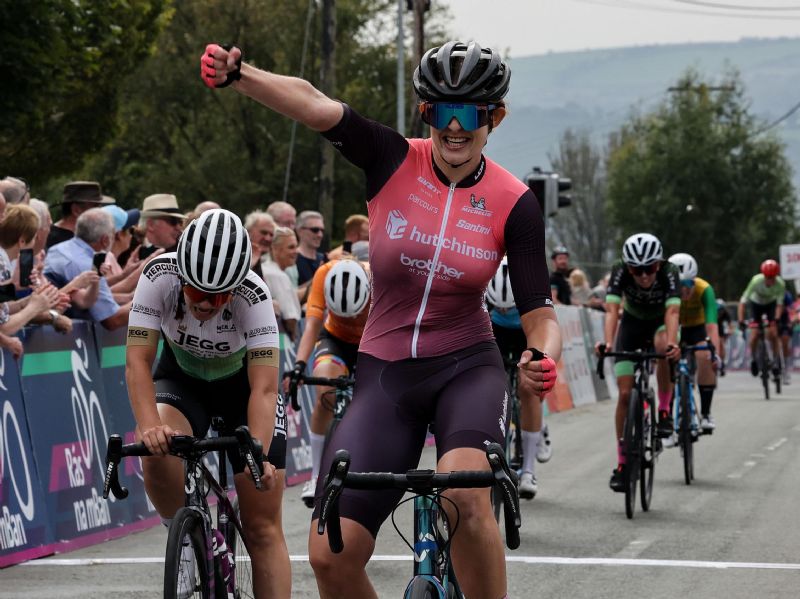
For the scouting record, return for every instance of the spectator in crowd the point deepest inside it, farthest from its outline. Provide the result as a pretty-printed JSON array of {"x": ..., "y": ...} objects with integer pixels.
[
  {"x": 2, "y": 205},
  {"x": 40, "y": 241},
  {"x": 261, "y": 228},
  {"x": 580, "y": 290},
  {"x": 356, "y": 228},
  {"x": 284, "y": 255},
  {"x": 17, "y": 229},
  {"x": 310, "y": 231},
  {"x": 204, "y": 207},
  {"x": 162, "y": 222},
  {"x": 122, "y": 280},
  {"x": 559, "y": 278},
  {"x": 16, "y": 191},
  {"x": 70, "y": 265},
  {"x": 360, "y": 251},
  {"x": 79, "y": 196},
  {"x": 283, "y": 214}
]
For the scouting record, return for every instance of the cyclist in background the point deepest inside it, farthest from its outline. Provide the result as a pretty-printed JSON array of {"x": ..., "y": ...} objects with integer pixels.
[
  {"x": 510, "y": 338},
  {"x": 220, "y": 359},
  {"x": 336, "y": 312},
  {"x": 650, "y": 317},
  {"x": 764, "y": 295},
  {"x": 698, "y": 320},
  {"x": 785, "y": 326},
  {"x": 441, "y": 216},
  {"x": 724, "y": 322}
]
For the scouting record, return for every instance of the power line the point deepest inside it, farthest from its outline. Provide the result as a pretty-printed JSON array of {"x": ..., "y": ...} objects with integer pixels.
[
  {"x": 623, "y": 4},
  {"x": 777, "y": 122},
  {"x": 737, "y": 6}
]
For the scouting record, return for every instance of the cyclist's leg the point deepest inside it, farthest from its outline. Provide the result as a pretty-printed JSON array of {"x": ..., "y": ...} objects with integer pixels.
[
  {"x": 531, "y": 418},
  {"x": 706, "y": 376},
  {"x": 390, "y": 409},
  {"x": 755, "y": 312},
  {"x": 328, "y": 366},
  {"x": 663, "y": 377},
  {"x": 163, "y": 476},
  {"x": 471, "y": 410},
  {"x": 625, "y": 386}
]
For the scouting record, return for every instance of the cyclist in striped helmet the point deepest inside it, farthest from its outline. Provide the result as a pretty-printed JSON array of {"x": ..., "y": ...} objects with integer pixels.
[
  {"x": 220, "y": 358},
  {"x": 650, "y": 316}
]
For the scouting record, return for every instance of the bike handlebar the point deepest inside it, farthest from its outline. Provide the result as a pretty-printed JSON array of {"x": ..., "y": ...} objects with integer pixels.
[
  {"x": 633, "y": 356},
  {"x": 420, "y": 482},
  {"x": 340, "y": 382},
  {"x": 183, "y": 446}
]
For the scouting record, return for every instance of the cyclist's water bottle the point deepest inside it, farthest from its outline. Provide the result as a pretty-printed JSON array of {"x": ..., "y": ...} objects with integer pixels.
[{"x": 226, "y": 561}]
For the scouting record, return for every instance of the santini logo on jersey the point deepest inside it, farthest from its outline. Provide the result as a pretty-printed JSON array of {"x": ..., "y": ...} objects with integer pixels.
[
  {"x": 462, "y": 224},
  {"x": 396, "y": 225}
]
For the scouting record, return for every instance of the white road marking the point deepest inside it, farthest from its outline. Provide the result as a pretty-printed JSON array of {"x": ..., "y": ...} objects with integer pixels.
[
  {"x": 777, "y": 444},
  {"x": 520, "y": 559},
  {"x": 634, "y": 549}
]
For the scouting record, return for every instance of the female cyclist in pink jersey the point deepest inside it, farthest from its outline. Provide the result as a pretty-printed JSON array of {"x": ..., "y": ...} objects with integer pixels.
[{"x": 441, "y": 217}]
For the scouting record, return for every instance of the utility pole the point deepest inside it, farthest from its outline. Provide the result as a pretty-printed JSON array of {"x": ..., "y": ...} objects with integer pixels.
[
  {"x": 420, "y": 7},
  {"x": 327, "y": 85},
  {"x": 401, "y": 71}
]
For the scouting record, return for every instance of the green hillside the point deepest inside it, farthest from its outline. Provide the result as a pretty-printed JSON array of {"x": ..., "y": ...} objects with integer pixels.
[{"x": 597, "y": 89}]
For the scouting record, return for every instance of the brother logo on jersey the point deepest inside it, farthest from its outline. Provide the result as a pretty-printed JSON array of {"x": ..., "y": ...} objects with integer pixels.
[
  {"x": 194, "y": 341},
  {"x": 396, "y": 224},
  {"x": 423, "y": 267}
]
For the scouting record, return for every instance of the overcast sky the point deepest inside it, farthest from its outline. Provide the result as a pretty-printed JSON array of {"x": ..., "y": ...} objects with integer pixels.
[{"x": 526, "y": 27}]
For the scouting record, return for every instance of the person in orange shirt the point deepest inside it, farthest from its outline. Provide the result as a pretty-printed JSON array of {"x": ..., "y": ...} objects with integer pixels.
[{"x": 336, "y": 312}]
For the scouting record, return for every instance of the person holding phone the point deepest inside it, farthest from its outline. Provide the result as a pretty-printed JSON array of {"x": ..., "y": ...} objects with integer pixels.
[{"x": 356, "y": 228}]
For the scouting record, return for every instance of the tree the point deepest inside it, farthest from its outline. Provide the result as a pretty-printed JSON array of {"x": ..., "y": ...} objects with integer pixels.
[
  {"x": 66, "y": 60},
  {"x": 699, "y": 174},
  {"x": 584, "y": 227}
]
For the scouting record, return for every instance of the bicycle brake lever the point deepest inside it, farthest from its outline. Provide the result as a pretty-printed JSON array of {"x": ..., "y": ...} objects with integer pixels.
[
  {"x": 504, "y": 479},
  {"x": 251, "y": 452},
  {"x": 329, "y": 508},
  {"x": 113, "y": 457}
]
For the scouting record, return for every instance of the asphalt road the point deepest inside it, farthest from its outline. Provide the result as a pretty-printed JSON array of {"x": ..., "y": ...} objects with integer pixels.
[{"x": 734, "y": 533}]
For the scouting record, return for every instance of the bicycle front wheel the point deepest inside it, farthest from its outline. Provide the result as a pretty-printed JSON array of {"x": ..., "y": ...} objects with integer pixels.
[
  {"x": 632, "y": 438},
  {"x": 423, "y": 587},
  {"x": 185, "y": 565},
  {"x": 650, "y": 438},
  {"x": 685, "y": 433},
  {"x": 243, "y": 572},
  {"x": 764, "y": 365}
]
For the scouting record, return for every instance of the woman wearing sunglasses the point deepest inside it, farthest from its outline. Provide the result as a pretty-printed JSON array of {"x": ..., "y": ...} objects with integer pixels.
[
  {"x": 220, "y": 358},
  {"x": 441, "y": 217},
  {"x": 650, "y": 287}
]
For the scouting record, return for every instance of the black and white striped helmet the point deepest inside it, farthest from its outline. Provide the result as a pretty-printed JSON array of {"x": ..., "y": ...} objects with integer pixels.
[
  {"x": 499, "y": 291},
  {"x": 346, "y": 288},
  {"x": 686, "y": 265},
  {"x": 641, "y": 249},
  {"x": 214, "y": 252}
]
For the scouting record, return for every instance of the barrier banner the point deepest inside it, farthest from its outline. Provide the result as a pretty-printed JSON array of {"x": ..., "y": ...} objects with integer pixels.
[
  {"x": 573, "y": 356},
  {"x": 298, "y": 446},
  {"x": 111, "y": 350},
  {"x": 25, "y": 531},
  {"x": 594, "y": 322},
  {"x": 69, "y": 421}
]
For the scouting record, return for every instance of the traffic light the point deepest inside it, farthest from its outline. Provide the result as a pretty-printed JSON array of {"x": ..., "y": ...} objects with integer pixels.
[{"x": 551, "y": 190}]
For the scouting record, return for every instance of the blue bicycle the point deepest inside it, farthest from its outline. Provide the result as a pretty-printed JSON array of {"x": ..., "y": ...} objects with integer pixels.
[
  {"x": 684, "y": 410},
  {"x": 434, "y": 577}
]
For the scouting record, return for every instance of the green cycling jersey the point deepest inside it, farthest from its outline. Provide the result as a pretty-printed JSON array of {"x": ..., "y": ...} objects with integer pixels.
[{"x": 759, "y": 292}]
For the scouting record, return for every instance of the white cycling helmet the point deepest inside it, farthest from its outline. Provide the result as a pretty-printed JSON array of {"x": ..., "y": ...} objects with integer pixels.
[
  {"x": 642, "y": 249},
  {"x": 499, "y": 291},
  {"x": 686, "y": 264},
  {"x": 214, "y": 252},
  {"x": 347, "y": 288}
]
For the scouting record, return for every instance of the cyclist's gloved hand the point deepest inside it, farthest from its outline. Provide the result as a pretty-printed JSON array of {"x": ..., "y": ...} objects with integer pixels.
[
  {"x": 673, "y": 352},
  {"x": 716, "y": 364},
  {"x": 599, "y": 348},
  {"x": 540, "y": 373},
  {"x": 742, "y": 326},
  {"x": 298, "y": 370},
  {"x": 220, "y": 65}
]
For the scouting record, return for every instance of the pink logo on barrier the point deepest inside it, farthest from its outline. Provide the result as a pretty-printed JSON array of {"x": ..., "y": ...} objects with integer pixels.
[{"x": 68, "y": 468}]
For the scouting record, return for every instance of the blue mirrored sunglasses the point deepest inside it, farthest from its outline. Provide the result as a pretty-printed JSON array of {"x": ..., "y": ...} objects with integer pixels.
[
  {"x": 688, "y": 283},
  {"x": 470, "y": 116}
]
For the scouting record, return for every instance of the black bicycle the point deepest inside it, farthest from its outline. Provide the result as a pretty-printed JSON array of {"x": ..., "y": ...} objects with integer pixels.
[
  {"x": 221, "y": 568},
  {"x": 767, "y": 365},
  {"x": 343, "y": 385},
  {"x": 640, "y": 440},
  {"x": 434, "y": 577}
]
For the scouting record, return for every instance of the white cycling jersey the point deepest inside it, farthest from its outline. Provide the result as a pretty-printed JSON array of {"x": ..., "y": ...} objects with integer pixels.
[{"x": 212, "y": 349}]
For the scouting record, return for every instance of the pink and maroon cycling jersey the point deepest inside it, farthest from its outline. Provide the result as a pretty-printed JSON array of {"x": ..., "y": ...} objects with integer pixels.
[{"x": 434, "y": 246}]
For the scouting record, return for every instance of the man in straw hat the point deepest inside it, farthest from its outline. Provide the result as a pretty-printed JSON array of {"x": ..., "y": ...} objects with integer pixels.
[{"x": 162, "y": 222}]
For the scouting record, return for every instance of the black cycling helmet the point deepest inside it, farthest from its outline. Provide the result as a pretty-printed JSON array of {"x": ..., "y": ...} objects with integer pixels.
[{"x": 457, "y": 72}]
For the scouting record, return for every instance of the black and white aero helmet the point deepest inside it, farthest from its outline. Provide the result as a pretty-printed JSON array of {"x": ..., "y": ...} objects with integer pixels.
[
  {"x": 686, "y": 265},
  {"x": 642, "y": 249},
  {"x": 457, "y": 72},
  {"x": 347, "y": 288},
  {"x": 214, "y": 252},
  {"x": 499, "y": 291}
]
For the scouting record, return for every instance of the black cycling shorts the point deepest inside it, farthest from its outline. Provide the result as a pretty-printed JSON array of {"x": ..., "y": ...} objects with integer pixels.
[
  {"x": 757, "y": 310},
  {"x": 200, "y": 400},
  {"x": 635, "y": 333},
  {"x": 511, "y": 342},
  {"x": 330, "y": 345},
  {"x": 462, "y": 393},
  {"x": 693, "y": 335}
]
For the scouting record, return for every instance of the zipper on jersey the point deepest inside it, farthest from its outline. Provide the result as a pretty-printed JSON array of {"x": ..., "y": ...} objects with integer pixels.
[{"x": 432, "y": 274}]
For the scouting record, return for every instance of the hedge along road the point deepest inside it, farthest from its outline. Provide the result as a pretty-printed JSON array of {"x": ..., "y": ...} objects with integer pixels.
[{"x": 733, "y": 533}]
